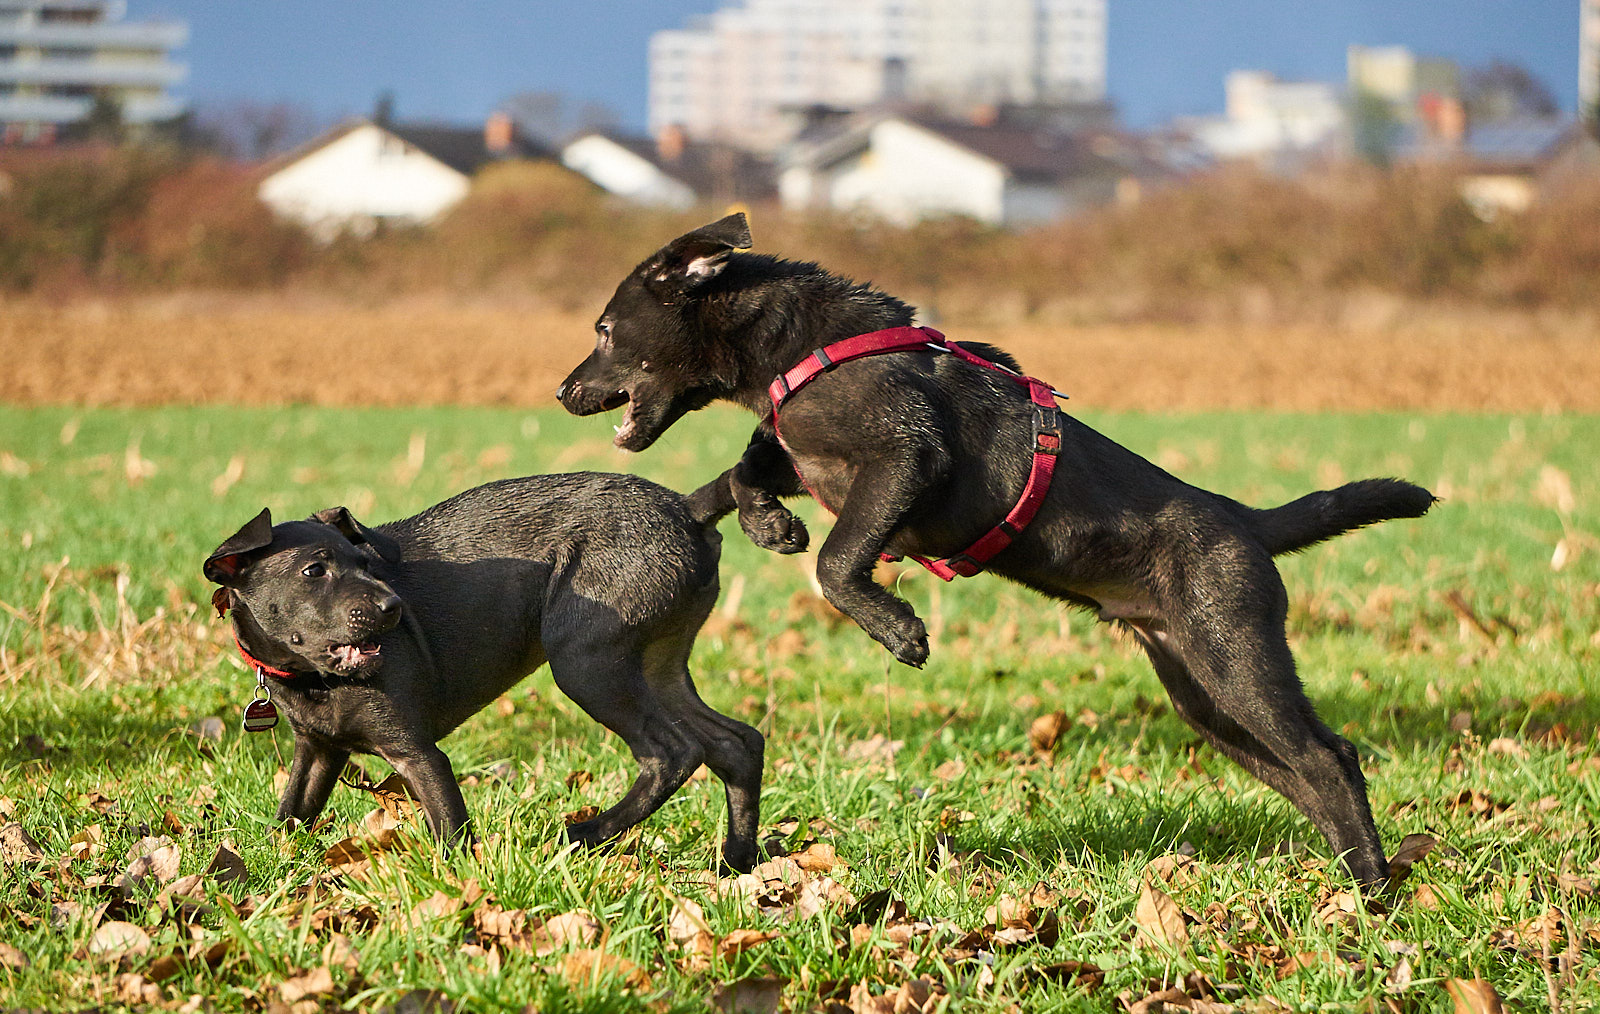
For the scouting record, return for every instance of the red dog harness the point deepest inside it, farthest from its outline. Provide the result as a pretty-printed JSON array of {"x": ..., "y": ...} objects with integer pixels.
[{"x": 1046, "y": 430}]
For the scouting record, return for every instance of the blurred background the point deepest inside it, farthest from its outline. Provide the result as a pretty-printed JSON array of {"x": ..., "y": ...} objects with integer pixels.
[{"x": 1242, "y": 203}]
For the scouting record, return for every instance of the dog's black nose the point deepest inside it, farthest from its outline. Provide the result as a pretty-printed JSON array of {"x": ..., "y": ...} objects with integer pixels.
[
  {"x": 388, "y": 606},
  {"x": 561, "y": 392}
]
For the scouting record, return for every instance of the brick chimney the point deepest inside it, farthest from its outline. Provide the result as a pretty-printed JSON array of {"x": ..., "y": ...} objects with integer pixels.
[{"x": 498, "y": 133}]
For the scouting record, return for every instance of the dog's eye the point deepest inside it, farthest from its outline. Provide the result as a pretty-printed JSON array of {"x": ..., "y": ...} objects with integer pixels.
[
  {"x": 314, "y": 570},
  {"x": 603, "y": 329}
]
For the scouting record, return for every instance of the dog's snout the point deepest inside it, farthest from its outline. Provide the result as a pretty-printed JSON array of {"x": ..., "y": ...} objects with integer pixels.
[{"x": 388, "y": 606}]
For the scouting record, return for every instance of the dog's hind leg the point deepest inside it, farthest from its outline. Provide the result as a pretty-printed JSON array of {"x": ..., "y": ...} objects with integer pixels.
[
  {"x": 602, "y": 670},
  {"x": 733, "y": 750},
  {"x": 1244, "y": 697}
]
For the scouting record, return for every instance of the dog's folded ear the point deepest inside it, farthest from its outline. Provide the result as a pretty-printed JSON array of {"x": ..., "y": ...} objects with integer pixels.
[
  {"x": 223, "y": 565},
  {"x": 358, "y": 533},
  {"x": 697, "y": 257}
]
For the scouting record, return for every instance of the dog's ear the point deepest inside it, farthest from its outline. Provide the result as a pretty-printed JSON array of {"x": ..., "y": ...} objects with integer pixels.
[
  {"x": 224, "y": 565},
  {"x": 695, "y": 258},
  {"x": 358, "y": 533}
]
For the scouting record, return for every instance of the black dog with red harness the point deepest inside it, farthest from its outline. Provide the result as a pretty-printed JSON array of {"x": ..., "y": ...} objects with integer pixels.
[{"x": 924, "y": 451}]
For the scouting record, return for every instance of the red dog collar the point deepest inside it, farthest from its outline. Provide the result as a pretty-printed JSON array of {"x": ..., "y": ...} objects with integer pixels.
[
  {"x": 1046, "y": 430},
  {"x": 258, "y": 665},
  {"x": 221, "y": 600}
]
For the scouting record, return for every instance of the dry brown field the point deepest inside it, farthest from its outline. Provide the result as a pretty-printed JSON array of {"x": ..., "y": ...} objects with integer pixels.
[{"x": 274, "y": 349}]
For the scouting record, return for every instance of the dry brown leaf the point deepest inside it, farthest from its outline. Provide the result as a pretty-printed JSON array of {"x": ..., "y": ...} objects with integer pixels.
[
  {"x": 316, "y": 982},
  {"x": 917, "y": 996},
  {"x": 151, "y": 858},
  {"x": 10, "y": 957},
  {"x": 1399, "y": 977},
  {"x": 506, "y": 927},
  {"x": 135, "y": 990},
  {"x": 1413, "y": 847},
  {"x": 1473, "y": 996},
  {"x": 115, "y": 939},
  {"x": 580, "y": 815},
  {"x": 818, "y": 857},
  {"x": 741, "y": 940},
  {"x": 226, "y": 866},
  {"x": 686, "y": 922},
  {"x": 950, "y": 770},
  {"x": 1173, "y": 868},
  {"x": 17, "y": 847},
  {"x": 582, "y": 968},
  {"x": 578, "y": 926},
  {"x": 1046, "y": 731},
  {"x": 1159, "y": 919},
  {"x": 86, "y": 844},
  {"x": 337, "y": 952},
  {"x": 1081, "y": 973},
  {"x": 344, "y": 852},
  {"x": 749, "y": 996},
  {"x": 433, "y": 908}
]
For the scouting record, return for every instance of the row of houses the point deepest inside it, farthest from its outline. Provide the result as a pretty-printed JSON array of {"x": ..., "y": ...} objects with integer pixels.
[
  {"x": 1012, "y": 170},
  {"x": 901, "y": 167}
]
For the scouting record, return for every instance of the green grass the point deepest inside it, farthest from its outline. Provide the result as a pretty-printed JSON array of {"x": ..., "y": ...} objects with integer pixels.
[{"x": 110, "y": 656}]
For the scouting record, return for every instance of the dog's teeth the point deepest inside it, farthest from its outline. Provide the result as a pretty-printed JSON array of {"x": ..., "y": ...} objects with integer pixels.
[{"x": 616, "y": 429}]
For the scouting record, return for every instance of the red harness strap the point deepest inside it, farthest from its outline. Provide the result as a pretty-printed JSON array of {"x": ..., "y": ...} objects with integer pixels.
[{"x": 1046, "y": 430}]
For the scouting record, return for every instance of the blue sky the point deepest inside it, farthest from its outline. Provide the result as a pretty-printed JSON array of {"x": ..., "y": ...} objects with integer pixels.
[{"x": 454, "y": 61}]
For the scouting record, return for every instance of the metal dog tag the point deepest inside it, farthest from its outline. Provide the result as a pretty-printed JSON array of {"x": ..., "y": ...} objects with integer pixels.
[{"x": 261, "y": 714}]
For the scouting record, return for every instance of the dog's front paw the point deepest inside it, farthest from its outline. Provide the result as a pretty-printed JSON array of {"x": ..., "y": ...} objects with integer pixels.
[
  {"x": 775, "y": 528},
  {"x": 907, "y": 642},
  {"x": 738, "y": 856}
]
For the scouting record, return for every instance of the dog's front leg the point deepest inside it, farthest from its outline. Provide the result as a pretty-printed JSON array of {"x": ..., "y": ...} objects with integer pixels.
[
  {"x": 427, "y": 771},
  {"x": 761, "y": 477},
  {"x": 312, "y": 776},
  {"x": 877, "y": 502}
]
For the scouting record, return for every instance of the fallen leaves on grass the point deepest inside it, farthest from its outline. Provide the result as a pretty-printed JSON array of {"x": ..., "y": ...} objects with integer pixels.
[
  {"x": 17, "y": 847},
  {"x": 1046, "y": 731},
  {"x": 317, "y": 982},
  {"x": 116, "y": 939},
  {"x": 590, "y": 967},
  {"x": 749, "y": 996},
  {"x": 1159, "y": 919},
  {"x": 1473, "y": 996}
]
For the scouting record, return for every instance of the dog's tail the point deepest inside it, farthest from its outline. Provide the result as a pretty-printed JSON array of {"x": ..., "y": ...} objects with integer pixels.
[
  {"x": 1324, "y": 514},
  {"x": 711, "y": 502}
]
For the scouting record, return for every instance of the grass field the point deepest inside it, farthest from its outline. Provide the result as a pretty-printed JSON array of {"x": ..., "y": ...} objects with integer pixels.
[{"x": 950, "y": 854}]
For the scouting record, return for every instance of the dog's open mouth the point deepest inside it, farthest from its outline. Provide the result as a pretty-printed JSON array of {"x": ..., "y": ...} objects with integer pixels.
[
  {"x": 353, "y": 657},
  {"x": 628, "y": 427}
]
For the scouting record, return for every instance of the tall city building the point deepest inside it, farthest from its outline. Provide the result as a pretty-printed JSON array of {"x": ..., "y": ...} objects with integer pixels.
[
  {"x": 742, "y": 73},
  {"x": 58, "y": 56},
  {"x": 1589, "y": 59}
]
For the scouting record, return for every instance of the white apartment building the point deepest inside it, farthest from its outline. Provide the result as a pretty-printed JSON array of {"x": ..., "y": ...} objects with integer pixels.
[
  {"x": 1589, "y": 58},
  {"x": 1266, "y": 117},
  {"x": 742, "y": 73},
  {"x": 56, "y": 56}
]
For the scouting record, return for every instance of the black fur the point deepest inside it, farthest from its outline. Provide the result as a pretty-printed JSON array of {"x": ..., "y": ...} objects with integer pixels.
[
  {"x": 398, "y": 634},
  {"x": 919, "y": 453}
]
